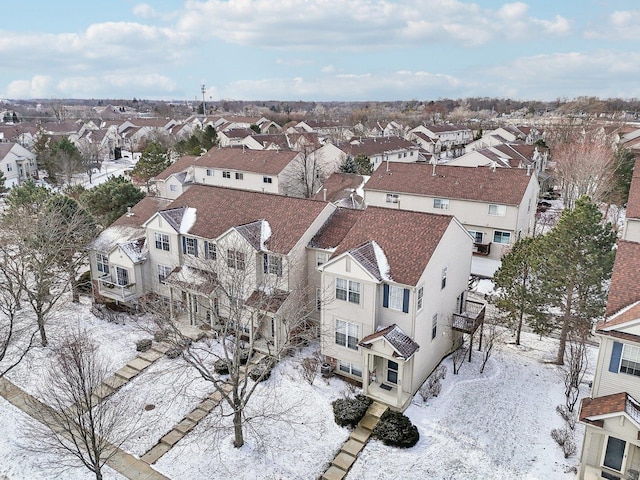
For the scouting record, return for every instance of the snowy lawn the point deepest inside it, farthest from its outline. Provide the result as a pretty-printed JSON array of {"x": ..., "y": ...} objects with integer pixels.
[{"x": 491, "y": 425}]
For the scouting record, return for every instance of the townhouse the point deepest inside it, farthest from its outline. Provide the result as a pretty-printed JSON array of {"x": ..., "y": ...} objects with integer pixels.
[
  {"x": 611, "y": 413},
  {"x": 452, "y": 138},
  {"x": 389, "y": 286},
  {"x": 381, "y": 150},
  {"x": 496, "y": 205},
  {"x": 16, "y": 163}
]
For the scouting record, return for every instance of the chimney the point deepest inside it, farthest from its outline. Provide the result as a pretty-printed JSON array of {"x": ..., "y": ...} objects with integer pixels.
[
  {"x": 129, "y": 212},
  {"x": 528, "y": 170},
  {"x": 324, "y": 194}
]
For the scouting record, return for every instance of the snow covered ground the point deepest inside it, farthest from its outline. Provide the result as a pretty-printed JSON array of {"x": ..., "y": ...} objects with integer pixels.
[{"x": 493, "y": 425}]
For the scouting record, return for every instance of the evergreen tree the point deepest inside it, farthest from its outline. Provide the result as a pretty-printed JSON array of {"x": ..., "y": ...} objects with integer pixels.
[
  {"x": 516, "y": 284},
  {"x": 3, "y": 186},
  {"x": 348, "y": 165},
  {"x": 363, "y": 164},
  {"x": 576, "y": 262},
  {"x": 109, "y": 200},
  {"x": 624, "y": 164},
  {"x": 154, "y": 159}
]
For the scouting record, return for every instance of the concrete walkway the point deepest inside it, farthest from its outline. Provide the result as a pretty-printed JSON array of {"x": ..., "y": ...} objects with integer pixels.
[
  {"x": 347, "y": 455},
  {"x": 122, "y": 462}
]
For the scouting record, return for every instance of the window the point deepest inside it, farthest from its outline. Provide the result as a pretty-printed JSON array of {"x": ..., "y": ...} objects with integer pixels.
[
  {"x": 420, "y": 297},
  {"x": 441, "y": 203},
  {"x": 239, "y": 176},
  {"x": 273, "y": 264},
  {"x": 351, "y": 368},
  {"x": 318, "y": 299},
  {"x": 235, "y": 259},
  {"x": 210, "y": 252},
  {"x": 122, "y": 276},
  {"x": 226, "y": 174},
  {"x": 102, "y": 263},
  {"x": 393, "y": 198},
  {"x": 498, "y": 210},
  {"x": 173, "y": 188},
  {"x": 400, "y": 155},
  {"x": 190, "y": 246},
  {"x": 501, "y": 237},
  {"x": 347, "y": 334},
  {"x": 321, "y": 258},
  {"x": 443, "y": 283},
  {"x": 614, "y": 454},
  {"x": 9, "y": 168},
  {"x": 163, "y": 273},
  {"x": 347, "y": 290},
  {"x": 392, "y": 372},
  {"x": 477, "y": 236},
  {"x": 209, "y": 172},
  {"x": 267, "y": 180},
  {"x": 434, "y": 326},
  {"x": 162, "y": 241},
  {"x": 396, "y": 297},
  {"x": 630, "y": 360}
]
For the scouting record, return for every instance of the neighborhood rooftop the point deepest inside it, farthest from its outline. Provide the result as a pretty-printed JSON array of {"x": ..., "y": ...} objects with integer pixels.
[{"x": 267, "y": 162}]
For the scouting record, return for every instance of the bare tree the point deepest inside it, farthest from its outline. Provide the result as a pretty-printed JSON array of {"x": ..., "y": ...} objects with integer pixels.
[
  {"x": 585, "y": 166},
  {"x": 79, "y": 427},
  {"x": 492, "y": 331},
  {"x": 307, "y": 173},
  {"x": 254, "y": 319},
  {"x": 44, "y": 239},
  {"x": 576, "y": 362}
]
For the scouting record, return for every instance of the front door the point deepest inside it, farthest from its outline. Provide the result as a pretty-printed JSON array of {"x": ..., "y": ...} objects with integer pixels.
[{"x": 392, "y": 372}]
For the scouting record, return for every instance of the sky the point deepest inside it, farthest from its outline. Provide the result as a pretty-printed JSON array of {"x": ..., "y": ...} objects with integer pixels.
[{"x": 320, "y": 50}]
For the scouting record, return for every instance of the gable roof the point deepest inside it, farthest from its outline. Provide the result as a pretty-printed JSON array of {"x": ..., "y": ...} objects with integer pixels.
[
  {"x": 180, "y": 165},
  {"x": 371, "y": 146},
  {"x": 403, "y": 345},
  {"x": 407, "y": 239},
  {"x": 142, "y": 211},
  {"x": 288, "y": 217},
  {"x": 595, "y": 410},
  {"x": 625, "y": 282},
  {"x": 502, "y": 185},
  {"x": 266, "y": 162}
]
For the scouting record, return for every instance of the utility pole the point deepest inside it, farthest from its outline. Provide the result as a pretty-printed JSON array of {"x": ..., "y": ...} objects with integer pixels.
[{"x": 203, "y": 89}]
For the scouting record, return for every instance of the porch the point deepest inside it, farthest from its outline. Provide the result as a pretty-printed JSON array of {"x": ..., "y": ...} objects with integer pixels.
[
  {"x": 107, "y": 287},
  {"x": 388, "y": 394},
  {"x": 468, "y": 320}
]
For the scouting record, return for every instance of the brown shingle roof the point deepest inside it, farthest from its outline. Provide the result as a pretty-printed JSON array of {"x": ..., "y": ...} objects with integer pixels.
[
  {"x": 219, "y": 209},
  {"x": 633, "y": 204},
  {"x": 268, "y": 302},
  {"x": 408, "y": 239},
  {"x": 403, "y": 345},
  {"x": 142, "y": 211},
  {"x": 625, "y": 280},
  {"x": 180, "y": 165},
  {"x": 336, "y": 228},
  {"x": 593, "y": 409},
  {"x": 266, "y": 162},
  {"x": 377, "y": 145},
  {"x": 339, "y": 186},
  {"x": 504, "y": 185}
]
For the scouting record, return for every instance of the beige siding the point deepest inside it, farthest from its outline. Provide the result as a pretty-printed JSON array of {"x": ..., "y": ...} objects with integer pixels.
[
  {"x": 250, "y": 181},
  {"x": 606, "y": 382}
]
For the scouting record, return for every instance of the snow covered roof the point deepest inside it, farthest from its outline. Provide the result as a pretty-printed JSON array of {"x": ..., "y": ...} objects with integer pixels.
[
  {"x": 403, "y": 345},
  {"x": 136, "y": 250},
  {"x": 371, "y": 256},
  {"x": 192, "y": 279},
  {"x": 115, "y": 235}
]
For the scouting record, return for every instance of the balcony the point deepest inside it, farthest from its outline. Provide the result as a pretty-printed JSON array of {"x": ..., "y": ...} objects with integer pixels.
[
  {"x": 482, "y": 248},
  {"x": 110, "y": 289},
  {"x": 470, "y": 318}
]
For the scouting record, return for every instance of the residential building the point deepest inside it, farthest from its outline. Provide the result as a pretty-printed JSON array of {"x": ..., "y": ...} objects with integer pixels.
[
  {"x": 452, "y": 138},
  {"x": 381, "y": 150},
  {"x": 496, "y": 205},
  {"x": 17, "y": 163},
  {"x": 611, "y": 413},
  {"x": 505, "y": 155},
  {"x": 388, "y": 286}
]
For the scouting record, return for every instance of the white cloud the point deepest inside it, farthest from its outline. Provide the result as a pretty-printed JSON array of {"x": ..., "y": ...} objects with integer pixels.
[
  {"x": 144, "y": 10},
  {"x": 620, "y": 25},
  {"x": 40, "y": 86},
  {"x": 361, "y": 24},
  {"x": 328, "y": 69}
]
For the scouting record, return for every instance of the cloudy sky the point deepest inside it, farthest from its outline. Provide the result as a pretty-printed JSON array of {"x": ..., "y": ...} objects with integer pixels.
[{"x": 320, "y": 49}]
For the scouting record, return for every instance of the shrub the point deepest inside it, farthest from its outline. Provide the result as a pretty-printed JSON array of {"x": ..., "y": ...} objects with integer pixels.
[
  {"x": 174, "y": 352},
  {"x": 349, "y": 411},
  {"x": 243, "y": 356},
  {"x": 396, "y": 430},
  {"x": 564, "y": 438},
  {"x": 567, "y": 416},
  {"x": 262, "y": 371},
  {"x": 143, "y": 345},
  {"x": 309, "y": 369},
  {"x": 432, "y": 387},
  {"x": 160, "y": 335},
  {"x": 221, "y": 367}
]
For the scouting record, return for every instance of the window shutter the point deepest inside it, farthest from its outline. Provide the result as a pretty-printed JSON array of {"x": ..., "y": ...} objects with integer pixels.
[
  {"x": 195, "y": 247},
  {"x": 405, "y": 301},
  {"x": 184, "y": 245},
  {"x": 616, "y": 353},
  {"x": 265, "y": 263},
  {"x": 385, "y": 296}
]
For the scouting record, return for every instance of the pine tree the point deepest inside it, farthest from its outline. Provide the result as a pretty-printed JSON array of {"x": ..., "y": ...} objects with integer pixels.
[
  {"x": 516, "y": 284},
  {"x": 3, "y": 186},
  {"x": 109, "y": 200},
  {"x": 577, "y": 260},
  {"x": 154, "y": 159}
]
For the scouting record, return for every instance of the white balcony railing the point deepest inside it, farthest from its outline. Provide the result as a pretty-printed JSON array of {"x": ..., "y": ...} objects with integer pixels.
[{"x": 111, "y": 289}]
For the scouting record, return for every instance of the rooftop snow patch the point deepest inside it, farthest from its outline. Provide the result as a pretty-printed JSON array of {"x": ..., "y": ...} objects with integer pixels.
[
  {"x": 188, "y": 220},
  {"x": 383, "y": 263}
]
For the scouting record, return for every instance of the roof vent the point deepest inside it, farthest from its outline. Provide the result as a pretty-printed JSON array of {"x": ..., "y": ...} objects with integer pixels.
[{"x": 129, "y": 212}]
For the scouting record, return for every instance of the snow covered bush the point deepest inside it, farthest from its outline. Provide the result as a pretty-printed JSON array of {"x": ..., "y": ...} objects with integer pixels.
[
  {"x": 432, "y": 387},
  {"x": 309, "y": 369},
  {"x": 221, "y": 367},
  {"x": 174, "y": 352},
  {"x": 568, "y": 416},
  {"x": 564, "y": 437},
  {"x": 143, "y": 345},
  {"x": 349, "y": 411},
  {"x": 396, "y": 430},
  {"x": 262, "y": 371}
]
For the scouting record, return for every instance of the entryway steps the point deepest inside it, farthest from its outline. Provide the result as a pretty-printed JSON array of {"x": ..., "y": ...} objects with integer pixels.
[{"x": 347, "y": 455}]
